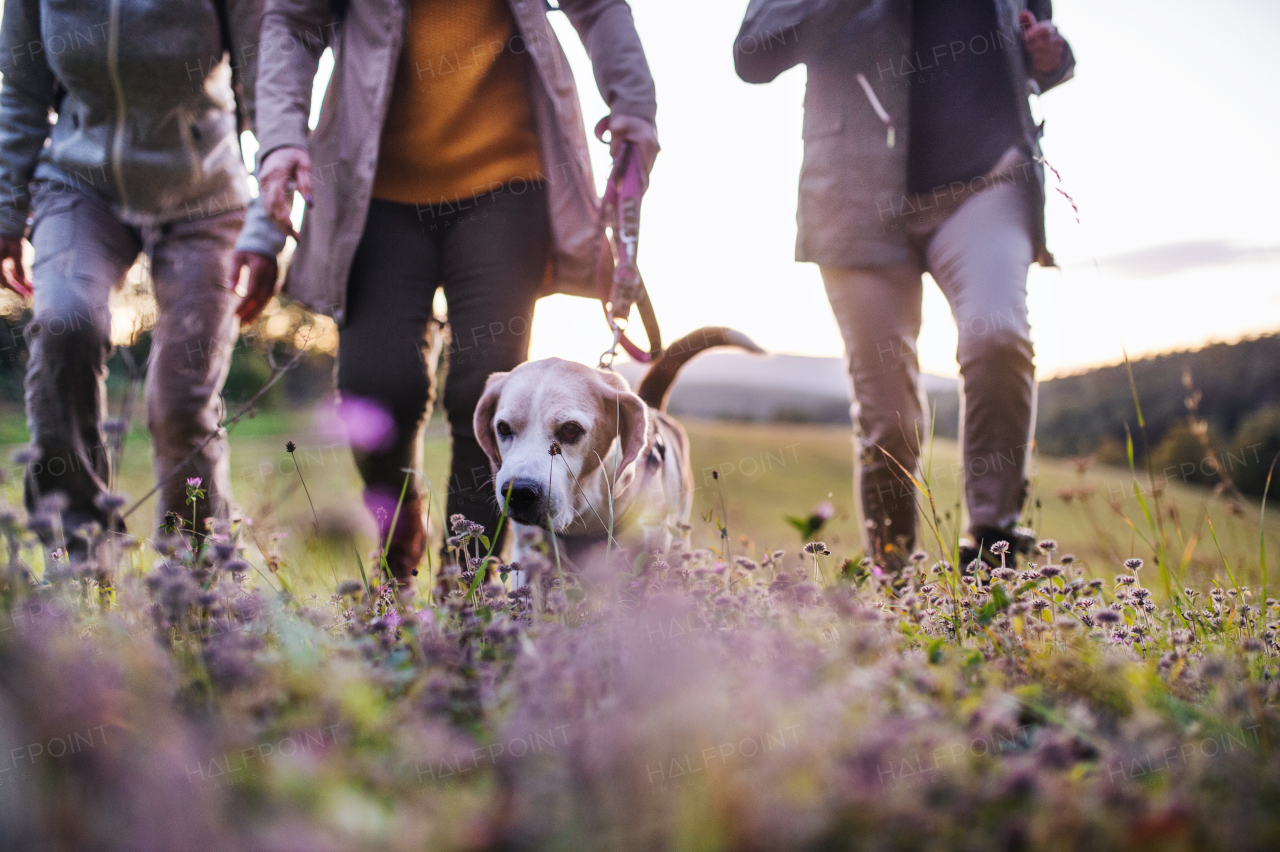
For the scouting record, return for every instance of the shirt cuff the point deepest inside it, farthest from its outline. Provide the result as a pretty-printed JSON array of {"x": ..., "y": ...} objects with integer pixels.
[{"x": 259, "y": 233}]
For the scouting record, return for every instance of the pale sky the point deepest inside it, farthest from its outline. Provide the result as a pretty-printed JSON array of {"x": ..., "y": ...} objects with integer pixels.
[{"x": 1166, "y": 139}]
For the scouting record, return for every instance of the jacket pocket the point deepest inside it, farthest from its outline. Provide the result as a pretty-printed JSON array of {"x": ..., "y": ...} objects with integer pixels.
[
  {"x": 52, "y": 199},
  {"x": 822, "y": 116}
]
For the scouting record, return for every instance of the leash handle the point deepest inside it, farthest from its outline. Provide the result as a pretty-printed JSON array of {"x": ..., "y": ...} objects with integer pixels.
[
  {"x": 621, "y": 206},
  {"x": 620, "y": 212},
  {"x": 627, "y": 190}
]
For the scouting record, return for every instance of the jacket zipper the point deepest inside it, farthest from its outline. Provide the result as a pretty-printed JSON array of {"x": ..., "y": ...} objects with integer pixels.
[
  {"x": 113, "y": 72},
  {"x": 875, "y": 105}
]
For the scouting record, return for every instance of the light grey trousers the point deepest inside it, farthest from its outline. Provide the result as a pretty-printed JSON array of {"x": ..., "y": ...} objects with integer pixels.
[
  {"x": 979, "y": 257},
  {"x": 83, "y": 252}
]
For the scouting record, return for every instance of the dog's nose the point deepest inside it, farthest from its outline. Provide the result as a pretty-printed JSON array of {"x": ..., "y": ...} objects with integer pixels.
[{"x": 526, "y": 501}]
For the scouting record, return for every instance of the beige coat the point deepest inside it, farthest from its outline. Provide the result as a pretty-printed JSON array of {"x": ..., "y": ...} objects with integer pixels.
[
  {"x": 853, "y": 184},
  {"x": 344, "y": 146}
]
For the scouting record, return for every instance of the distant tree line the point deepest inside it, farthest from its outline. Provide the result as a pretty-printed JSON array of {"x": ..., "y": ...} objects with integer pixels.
[
  {"x": 1210, "y": 415},
  {"x": 303, "y": 384}
]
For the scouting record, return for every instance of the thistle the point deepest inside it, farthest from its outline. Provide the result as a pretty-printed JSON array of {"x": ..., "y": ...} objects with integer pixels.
[{"x": 194, "y": 494}]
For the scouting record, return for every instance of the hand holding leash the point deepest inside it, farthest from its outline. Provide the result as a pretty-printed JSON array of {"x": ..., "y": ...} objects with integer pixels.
[{"x": 620, "y": 213}]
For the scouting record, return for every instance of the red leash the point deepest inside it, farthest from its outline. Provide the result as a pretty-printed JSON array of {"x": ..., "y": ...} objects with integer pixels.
[{"x": 620, "y": 214}]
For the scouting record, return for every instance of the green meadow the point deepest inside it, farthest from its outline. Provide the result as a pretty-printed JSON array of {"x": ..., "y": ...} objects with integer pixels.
[{"x": 748, "y": 478}]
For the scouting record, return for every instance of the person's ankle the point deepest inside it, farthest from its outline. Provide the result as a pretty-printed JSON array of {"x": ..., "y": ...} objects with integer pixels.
[{"x": 995, "y": 546}]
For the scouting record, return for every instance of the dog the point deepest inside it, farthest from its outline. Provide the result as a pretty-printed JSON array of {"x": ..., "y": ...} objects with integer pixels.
[{"x": 572, "y": 447}]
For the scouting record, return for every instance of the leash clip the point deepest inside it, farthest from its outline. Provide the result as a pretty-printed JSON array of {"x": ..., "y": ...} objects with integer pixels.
[{"x": 607, "y": 357}]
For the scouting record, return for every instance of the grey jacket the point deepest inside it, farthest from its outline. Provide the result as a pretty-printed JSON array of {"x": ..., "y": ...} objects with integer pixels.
[
  {"x": 145, "y": 110},
  {"x": 852, "y": 183},
  {"x": 344, "y": 145}
]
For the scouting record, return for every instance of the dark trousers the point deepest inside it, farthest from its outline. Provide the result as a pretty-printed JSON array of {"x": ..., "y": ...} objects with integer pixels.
[{"x": 490, "y": 255}]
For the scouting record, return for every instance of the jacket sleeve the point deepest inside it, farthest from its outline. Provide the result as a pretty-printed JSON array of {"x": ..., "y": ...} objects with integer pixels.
[
  {"x": 779, "y": 34},
  {"x": 245, "y": 19},
  {"x": 294, "y": 35},
  {"x": 1043, "y": 10},
  {"x": 622, "y": 73},
  {"x": 26, "y": 97},
  {"x": 259, "y": 233}
]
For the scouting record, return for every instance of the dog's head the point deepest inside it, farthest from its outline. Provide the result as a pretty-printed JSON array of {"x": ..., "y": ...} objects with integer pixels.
[{"x": 598, "y": 425}]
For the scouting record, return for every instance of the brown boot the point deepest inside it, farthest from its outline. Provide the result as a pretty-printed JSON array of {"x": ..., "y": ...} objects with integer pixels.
[
  {"x": 408, "y": 540},
  {"x": 889, "y": 510}
]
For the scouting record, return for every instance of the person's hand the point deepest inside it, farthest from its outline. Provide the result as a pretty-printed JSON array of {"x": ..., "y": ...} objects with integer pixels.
[
  {"x": 284, "y": 171},
  {"x": 1044, "y": 46},
  {"x": 640, "y": 133},
  {"x": 263, "y": 272},
  {"x": 12, "y": 272}
]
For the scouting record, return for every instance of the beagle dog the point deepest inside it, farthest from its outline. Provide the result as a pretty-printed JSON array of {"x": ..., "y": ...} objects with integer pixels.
[{"x": 573, "y": 446}]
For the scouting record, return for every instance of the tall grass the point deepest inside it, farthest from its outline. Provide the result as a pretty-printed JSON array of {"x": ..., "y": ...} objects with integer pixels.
[{"x": 701, "y": 701}]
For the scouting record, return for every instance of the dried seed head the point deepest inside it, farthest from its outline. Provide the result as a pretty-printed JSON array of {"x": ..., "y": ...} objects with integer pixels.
[
  {"x": 110, "y": 502},
  {"x": 25, "y": 456}
]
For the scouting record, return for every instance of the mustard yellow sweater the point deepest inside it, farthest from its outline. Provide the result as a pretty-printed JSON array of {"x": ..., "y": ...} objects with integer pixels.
[{"x": 461, "y": 116}]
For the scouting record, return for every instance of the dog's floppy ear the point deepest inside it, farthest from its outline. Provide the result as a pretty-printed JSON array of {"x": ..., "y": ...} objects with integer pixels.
[
  {"x": 482, "y": 421},
  {"x": 633, "y": 422}
]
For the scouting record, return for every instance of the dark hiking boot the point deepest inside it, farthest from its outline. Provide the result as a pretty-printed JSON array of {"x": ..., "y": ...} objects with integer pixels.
[
  {"x": 889, "y": 512},
  {"x": 988, "y": 544},
  {"x": 408, "y": 540}
]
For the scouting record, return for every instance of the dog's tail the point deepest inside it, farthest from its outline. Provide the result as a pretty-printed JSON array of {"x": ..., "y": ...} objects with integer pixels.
[{"x": 656, "y": 384}]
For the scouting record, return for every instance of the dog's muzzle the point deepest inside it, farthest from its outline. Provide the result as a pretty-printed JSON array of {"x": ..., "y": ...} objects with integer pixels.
[{"x": 526, "y": 501}]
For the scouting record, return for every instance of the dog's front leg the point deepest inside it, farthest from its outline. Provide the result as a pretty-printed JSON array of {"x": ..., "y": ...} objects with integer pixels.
[
  {"x": 656, "y": 538},
  {"x": 525, "y": 548}
]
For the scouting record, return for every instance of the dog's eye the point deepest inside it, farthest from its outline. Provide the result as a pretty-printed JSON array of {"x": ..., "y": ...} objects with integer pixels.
[
  {"x": 504, "y": 429},
  {"x": 570, "y": 432}
]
